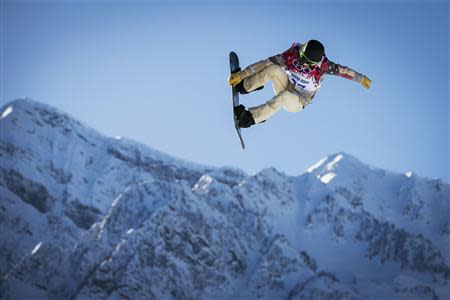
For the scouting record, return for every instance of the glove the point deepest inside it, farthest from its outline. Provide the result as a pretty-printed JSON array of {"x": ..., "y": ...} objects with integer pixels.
[
  {"x": 235, "y": 78},
  {"x": 366, "y": 82}
]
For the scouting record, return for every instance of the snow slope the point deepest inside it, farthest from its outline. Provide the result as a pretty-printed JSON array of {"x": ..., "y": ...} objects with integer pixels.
[{"x": 85, "y": 216}]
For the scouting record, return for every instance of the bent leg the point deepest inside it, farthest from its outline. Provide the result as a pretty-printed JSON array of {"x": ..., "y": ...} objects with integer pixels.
[
  {"x": 293, "y": 103},
  {"x": 274, "y": 73},
  {"x": 290, "y": 101}
]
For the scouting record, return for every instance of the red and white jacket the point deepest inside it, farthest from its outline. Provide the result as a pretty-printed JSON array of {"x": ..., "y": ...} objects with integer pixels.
[{"x": 307, "y": 80}]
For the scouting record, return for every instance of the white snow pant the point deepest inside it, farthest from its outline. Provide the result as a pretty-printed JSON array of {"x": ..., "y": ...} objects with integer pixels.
[{"x": 291, "y": 102}]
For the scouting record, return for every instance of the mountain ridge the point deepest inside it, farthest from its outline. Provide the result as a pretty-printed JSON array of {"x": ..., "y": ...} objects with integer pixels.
[{"x": 87, "y": 216}]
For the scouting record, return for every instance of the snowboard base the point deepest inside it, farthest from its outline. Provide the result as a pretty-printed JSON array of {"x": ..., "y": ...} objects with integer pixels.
[{"x": 234, "y": 67}]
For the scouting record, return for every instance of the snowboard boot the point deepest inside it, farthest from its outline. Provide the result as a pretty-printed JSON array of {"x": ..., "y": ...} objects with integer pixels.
[{"x": 243, "y": 116}]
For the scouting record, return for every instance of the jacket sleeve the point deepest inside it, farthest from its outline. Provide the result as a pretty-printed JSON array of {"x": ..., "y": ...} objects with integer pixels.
[
  {"x": 256, "y": 67},
  {"x": 342, "y": 71},
  {"x": 278, "y": 59}
]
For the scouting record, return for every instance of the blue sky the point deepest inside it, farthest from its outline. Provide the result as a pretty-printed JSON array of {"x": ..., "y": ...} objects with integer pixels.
[{"x": 156, "y": 72}]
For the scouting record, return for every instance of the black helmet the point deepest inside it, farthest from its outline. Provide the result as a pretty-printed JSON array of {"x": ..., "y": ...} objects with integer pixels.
[{"x": 314, "y": 51}]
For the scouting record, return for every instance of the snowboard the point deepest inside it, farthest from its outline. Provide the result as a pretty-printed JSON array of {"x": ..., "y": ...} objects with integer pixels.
[{"x": 234, "y": 67}]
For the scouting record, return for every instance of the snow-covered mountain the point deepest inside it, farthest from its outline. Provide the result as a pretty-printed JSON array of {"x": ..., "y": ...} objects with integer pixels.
[{"x": 84, "y": 216}]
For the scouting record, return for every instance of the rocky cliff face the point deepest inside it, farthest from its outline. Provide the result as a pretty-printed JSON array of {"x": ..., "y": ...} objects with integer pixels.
[{"x": 86, "y": 216}]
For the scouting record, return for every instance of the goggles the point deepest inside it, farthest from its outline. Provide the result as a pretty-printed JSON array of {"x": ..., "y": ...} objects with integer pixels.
[{"x": 305, "y": 59}]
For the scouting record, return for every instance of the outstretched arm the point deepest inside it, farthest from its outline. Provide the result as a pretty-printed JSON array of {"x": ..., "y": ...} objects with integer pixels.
[{"x": 346, "y": 72}]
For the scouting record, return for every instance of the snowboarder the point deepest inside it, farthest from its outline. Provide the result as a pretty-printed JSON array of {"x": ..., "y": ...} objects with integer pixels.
[{"x": 296, "y": 75}]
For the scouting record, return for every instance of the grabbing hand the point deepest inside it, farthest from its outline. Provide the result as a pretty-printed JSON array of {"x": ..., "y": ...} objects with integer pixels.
[
  {"x": 235, "y": 78},
  {"x": 366, "y": 82}
]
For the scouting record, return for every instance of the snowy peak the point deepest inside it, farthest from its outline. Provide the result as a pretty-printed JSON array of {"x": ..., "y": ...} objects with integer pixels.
[
  {"x": 29, "y": 117},
  {"x": 26, "y": 119},
  {"x": 420, "y": 205},
  {"x": 44, "y": 144},
  {"x": 341, "y": 164}
]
